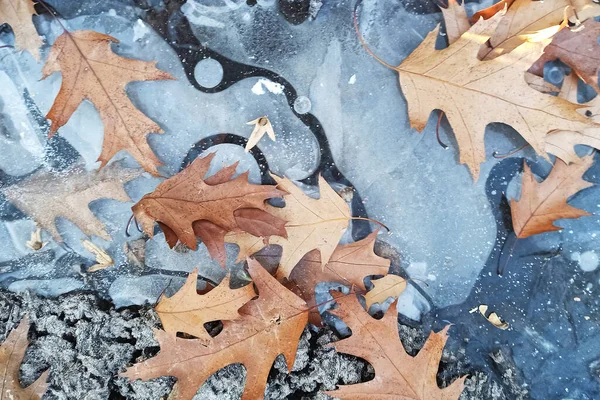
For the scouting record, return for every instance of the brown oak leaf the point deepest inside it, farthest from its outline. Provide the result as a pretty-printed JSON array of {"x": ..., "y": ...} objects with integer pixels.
[
  {"x": 541, "y": 204},
  {"x": 187, "y": 205},
  {"x": 18, "y": 14},
  {"x": 187, "y": 311},
  {"x": 525, "y": 17},
  {"x": 12, "y": 352},
  {"x": 349, "y": 265},
  {"x": 312, "y": 224},
  {"x": 45, "y": 196},
  {"x": 397, "y": 374},
  {"x": 578, "y": 48},
  {"x": 474, "y": 93},
  {"x": 268, "y": 326},
  {"x": 91, "y": 71}
]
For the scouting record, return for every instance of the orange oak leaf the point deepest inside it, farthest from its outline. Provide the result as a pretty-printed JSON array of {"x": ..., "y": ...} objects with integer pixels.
[
  {"x": 268, "y": 326},
  {"x": 541, "y": 204},
  {"x": 578, "y": 48},
  {"x": 384, "y": 288},
  {"x": 475, "y": 93},
  {"x": 525, "y": 17},
  {"x": 397, "y": 374},
  {"x": 45, "y": 196},
  {"x": 91, "y": 71},
  {"x": 455, "y": 20},
  {"x": 311, "y": 224},
  {"x": 18, "y": 14},
  {"x": 12, "y": 352},
  {"x": 186, "y": 206},
  {"x": 349, "y": 265},
  {"x": 187, "y": 311}
]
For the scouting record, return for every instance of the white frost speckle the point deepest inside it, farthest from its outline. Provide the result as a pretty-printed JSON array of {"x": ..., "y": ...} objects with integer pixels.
[
  {"x": 352, "y": 80},
  {"x": 588, "y": 261},
  {"x": 262, "y": 84}
]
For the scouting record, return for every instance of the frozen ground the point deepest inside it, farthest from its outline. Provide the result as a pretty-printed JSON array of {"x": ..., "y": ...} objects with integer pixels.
[{"x": 445, "y": 229}]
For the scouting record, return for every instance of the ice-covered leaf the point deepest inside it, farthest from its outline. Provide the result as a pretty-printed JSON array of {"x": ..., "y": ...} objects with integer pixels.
[
  {"x": 187, "y": 311},
  {"x": 12, "y": 352},
  {"x": 384, "y": 288},
  {"x": 45, "y": 196},
  {"x": 18, "y": 14},
  {"x": 268, "y": 326},
  {"x": 91, "y": 71}
]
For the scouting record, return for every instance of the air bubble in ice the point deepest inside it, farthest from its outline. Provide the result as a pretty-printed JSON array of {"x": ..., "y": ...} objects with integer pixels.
[{"x": 302, "y": 105}]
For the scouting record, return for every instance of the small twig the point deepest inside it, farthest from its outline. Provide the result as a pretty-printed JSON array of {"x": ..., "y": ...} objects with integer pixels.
[
  {"x": 162, "y": 292},
  {"x": 514, "y": 151}
]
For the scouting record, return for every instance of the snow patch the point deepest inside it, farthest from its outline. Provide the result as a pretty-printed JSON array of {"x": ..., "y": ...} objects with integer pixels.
[{"x": 262, "y": 84}]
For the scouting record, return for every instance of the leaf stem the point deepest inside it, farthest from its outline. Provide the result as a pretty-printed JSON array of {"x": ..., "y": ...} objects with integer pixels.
[{"x": 362, "y": 40}]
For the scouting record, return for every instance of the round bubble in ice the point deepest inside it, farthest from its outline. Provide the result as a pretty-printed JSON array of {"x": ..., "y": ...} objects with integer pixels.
[
  {"x": 302, "y": 105},
  {"x": 208, "y": 72}
]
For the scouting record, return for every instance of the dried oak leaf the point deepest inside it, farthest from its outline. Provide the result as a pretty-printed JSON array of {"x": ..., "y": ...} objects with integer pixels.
[
  {"x": 397, "y": 374},
  {"x": 187, "y": 205},
  {"x": 541, "y": 204},
  {"x": 384, "y": 288},
  {"x": 103, "y": 260},
  {"x": 474, "y": 93},
  {"x": 268, "y": 326},
  {"x": 91, "y": 71},
  {"x": 349, "y": 265},
  {"x": 187, "y": 311},
  {"x": 525, "y": 17},
  {"x": 262, "y": 125},
  {"x": 12, "y": 352},
  {"x": 18, "y": 14},
  {"x": 578, "y": 48},
  {"x": 312, "y": 224},
  {"x": 455, "y": 20},
  {"x": 44, "y": 196}
]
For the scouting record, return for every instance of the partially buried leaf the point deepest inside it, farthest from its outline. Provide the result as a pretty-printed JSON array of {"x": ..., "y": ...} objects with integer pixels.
[
  {"x": 12, "y": 352},
  {"x": 349, "y": 265},
  {"x": 91, "y": 71},
  {"x": 45, "y": 196},
  {"x": 312, "y": 224},
  {"x": 541, "y": 204},
  {"x": 384, "y": 288},
  {"x": 455, "y": 19},
  {"x": 474, "y": 93},
  {"x": 268, "y": 326},
  {"x": 103, "y": 260},
  {"x": 187, "y": 205},
  {"x": 262, "y": 125},
  {"x": 18, "y": 14},
  {"x": 579, "y": 49},
  {"x": 525, "y": 17},
  {"x": 187, "y": 311},
  {"x": 397, "y": 374}
]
